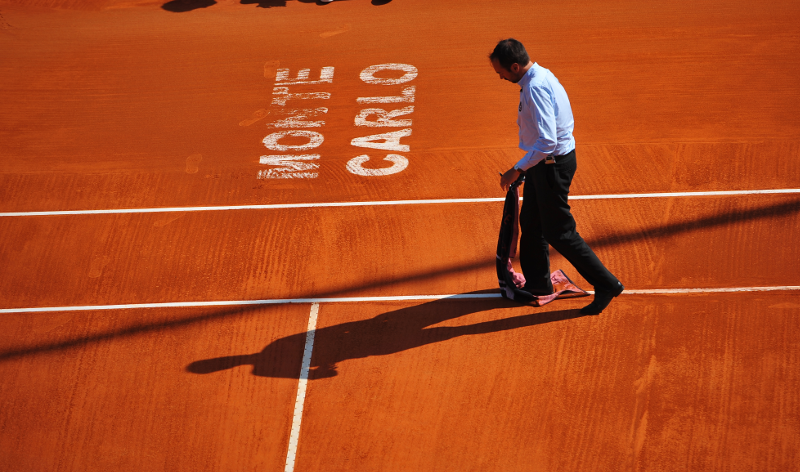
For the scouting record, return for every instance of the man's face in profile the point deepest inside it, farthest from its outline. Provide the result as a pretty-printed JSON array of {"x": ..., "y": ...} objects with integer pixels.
[{"x": 512, "y": 75}]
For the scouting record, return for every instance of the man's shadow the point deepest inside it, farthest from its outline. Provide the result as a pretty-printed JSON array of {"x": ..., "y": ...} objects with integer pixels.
[
  {"x": 387, "y": 333},
  {"x": 182, "y": 6}
]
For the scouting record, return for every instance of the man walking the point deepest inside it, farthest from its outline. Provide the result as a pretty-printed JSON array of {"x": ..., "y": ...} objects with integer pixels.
[{"x": 545, "y": 133}]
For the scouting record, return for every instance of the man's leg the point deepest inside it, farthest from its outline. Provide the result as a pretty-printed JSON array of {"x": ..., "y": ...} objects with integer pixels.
[
  {"x": 534, "y": 252},
  {"x": 552, "y": 182}
]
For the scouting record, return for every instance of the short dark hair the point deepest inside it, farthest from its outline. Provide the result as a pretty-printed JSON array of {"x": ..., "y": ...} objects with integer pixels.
[{"x": 510, "y": 51}]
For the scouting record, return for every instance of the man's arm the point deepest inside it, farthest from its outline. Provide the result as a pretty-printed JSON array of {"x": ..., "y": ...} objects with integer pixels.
[{"x": 539, "y": 102}]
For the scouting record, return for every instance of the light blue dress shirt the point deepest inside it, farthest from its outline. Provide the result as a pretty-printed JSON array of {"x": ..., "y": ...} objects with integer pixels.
[{"x": 545, "y": 117}]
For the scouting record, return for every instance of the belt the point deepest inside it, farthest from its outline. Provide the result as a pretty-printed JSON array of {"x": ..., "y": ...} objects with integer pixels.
[{"x": 552, "y": 159}]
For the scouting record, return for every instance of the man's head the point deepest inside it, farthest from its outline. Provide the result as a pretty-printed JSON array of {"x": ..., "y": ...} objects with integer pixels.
[{"x": 510, "y": 60}]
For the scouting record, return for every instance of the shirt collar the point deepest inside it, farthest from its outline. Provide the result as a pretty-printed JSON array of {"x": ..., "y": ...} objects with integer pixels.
[{"x": 529, "y": 75}]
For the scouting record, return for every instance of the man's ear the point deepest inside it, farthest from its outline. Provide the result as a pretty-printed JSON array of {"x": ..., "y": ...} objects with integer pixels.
[{"x": 514, "y": 68}]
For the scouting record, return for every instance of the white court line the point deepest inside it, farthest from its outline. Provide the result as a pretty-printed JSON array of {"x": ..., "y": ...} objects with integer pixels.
[
  {"x": 286, "y": 301},
  {"x": 294, "y": 435},
  {"x": 281, "y": 206}
]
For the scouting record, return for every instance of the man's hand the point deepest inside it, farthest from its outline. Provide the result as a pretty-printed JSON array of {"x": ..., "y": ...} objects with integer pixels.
[{"x": 508, "y": 178}]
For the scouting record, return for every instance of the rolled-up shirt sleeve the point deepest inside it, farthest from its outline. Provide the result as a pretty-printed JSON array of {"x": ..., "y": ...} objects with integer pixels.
[{"x": 537, "y": 121}]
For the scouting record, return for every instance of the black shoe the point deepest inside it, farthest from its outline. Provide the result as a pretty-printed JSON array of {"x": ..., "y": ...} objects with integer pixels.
[{"x": 601, "y": 300}]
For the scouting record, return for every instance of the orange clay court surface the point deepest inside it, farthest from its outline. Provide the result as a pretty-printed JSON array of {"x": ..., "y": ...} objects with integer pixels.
[{"x": 210, "y": 318}]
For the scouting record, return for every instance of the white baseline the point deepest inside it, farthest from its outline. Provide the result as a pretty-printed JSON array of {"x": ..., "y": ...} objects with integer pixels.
[
  {"x": 280, "y": 206},
  {"x": 460, "y": 296}
]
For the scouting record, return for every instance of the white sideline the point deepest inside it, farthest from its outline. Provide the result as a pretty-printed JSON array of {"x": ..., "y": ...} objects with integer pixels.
[
  {"x": 286, "y": 301},
  {"x": 294, "y": 435},
  {"x": 281, "y": 206}
]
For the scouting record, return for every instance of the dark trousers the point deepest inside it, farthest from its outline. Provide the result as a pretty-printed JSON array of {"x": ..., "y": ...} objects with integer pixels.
[{"x": 545, "y": 219}]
